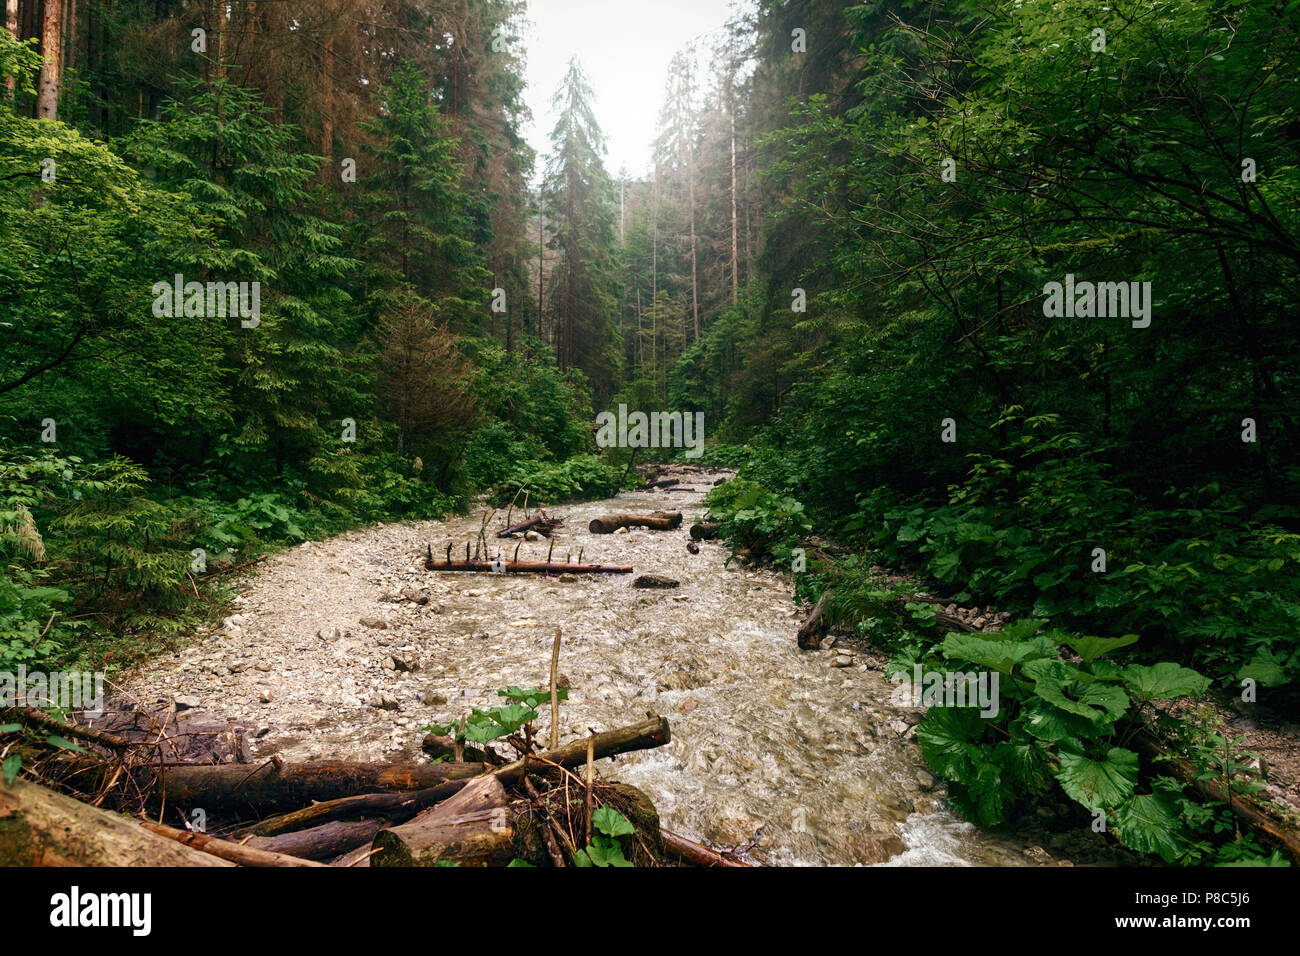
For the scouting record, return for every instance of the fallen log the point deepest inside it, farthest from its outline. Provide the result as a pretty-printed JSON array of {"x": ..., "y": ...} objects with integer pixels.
[
  {"x": 662, "y": 483},
  {"x": 658, "y": 520},
  {"x": 1270, "y": 831},
  {"x": 516, "y": 567},
  {"x": 472, "y": 828},
  {"x": 327, "y": 841},
  {"x": 270, "y": 788},
  {"x": 224, "y": 849},
  {"x": 38, "y": 717},
  {"x": 648, "y": 734},
  {"x": 394, "y": 807},
  {"x": 541, "y": 524},
  {"x": 815, "y": 627},
  {"x": 705, "y": 530},
  {"x": 693, "y": 853},
  {"x": 40, "y": 827}
]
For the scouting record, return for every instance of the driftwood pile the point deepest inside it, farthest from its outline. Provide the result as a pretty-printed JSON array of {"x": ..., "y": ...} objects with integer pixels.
[{"x": 536, "y": 808}]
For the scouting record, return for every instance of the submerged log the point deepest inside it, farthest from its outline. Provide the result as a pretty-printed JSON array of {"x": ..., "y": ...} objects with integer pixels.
[
  {"x": 814, "y": 629},
  {"x": 269, "y": 788},
  {"x": 658, "y": 520},
  {"x": 39, "y": 827},
  {"x": 662, "y": 483},
  {"x": 705, "y": 530},
  {"x": 693, "y": 853},
  {"x": 472, "y": 828},
  {"x": 654, "y": 581}
]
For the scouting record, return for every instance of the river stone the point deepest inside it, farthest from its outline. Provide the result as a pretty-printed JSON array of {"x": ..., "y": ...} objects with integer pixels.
[
  {"x": 842, "y": 660},
  {"x": 654, "y": 581},
  {"x": 186, "y": 701},
  {"x": 926, "y": 780}
]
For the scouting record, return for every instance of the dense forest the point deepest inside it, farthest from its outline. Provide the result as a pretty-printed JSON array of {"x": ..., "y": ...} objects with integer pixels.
[{"x": 996, "y": 294}]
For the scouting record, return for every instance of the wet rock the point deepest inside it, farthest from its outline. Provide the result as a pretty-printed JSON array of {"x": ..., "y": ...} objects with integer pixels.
[
  {"x": 414, "y": 596},
  {"x": 654, "y": 581},
  {"x": 265, "y": 695},
  {"x": 842, "y": 660},
  {"x": 431, "y": 699},
  {"x": 186, "y": 701},
  {"x": 532, "y": 536},
  {"x": 374, "y": 623},
  {"x": 689, "y": 704},
  {"x": 567, "y": 578},
  {"x": 926, "y": 780},
  {"x": 329, "y": 634}
]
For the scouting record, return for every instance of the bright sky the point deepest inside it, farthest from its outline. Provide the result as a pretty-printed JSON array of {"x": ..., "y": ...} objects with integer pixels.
[{"x": 624, "y": 47}]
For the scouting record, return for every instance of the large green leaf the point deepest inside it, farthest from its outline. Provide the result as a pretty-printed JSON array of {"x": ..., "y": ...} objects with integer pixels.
[
  {"x": 1148, "y": 823},
  {"x": 1165, "y": 680},
  {"x": 996, "y": 655},
  {"x": 1099, "y": 784},
  {"x": 1090, "y": 648},
  {"x": 947, "y": 738},
  {"x": 1072, "y": 690}
]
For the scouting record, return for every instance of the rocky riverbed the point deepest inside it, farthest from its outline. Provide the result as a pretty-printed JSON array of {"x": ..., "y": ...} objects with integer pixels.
[{"x": 345, "y": 649}]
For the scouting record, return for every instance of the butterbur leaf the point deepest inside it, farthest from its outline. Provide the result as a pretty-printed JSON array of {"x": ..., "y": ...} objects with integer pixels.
[
  {"x": 1148, "y": 823},
  {"x": 1053, "y": 725},
  {"x": 1165, "y": 680},
  {"x": 996, "y": 655},
  {"x": 1266, "y": 669},
  {"x": 64, "y": 743},
  {"x": 1090, "y": 648},
  {"x": 518, "y": 862},
  {"x": 611, "y": 823},
  {"x": 10, "y": 728},
  {"x": 10, "y": 768},
  {"x": 1069, "y": 688},
  {"x": 606, "y": 852},
  {"x": 1099, "y": 784},
  {"x": 535, "y": 696},
  {"x": 947, "y": 738}
]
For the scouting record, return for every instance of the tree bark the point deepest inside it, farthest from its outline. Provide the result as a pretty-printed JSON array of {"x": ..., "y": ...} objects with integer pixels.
[
  {"x": 693, "y": 853},
  {"x": 39, "y": 827},
  {"x": 659, "y": 521},
  {"x": 47, "y": 103},
  {"x": 324, "y": 842},
  {"x": 473, "y": 828},
  {"x": 705, "y": 530},
  {"x": 11, "y": 24},
  {"x": 239, "y": 787},
  {"x": 650, "y": 733},
  {"x": 224, "y": 849},
  {"x": 393, "y": 807},
  {"x": 814, "y": 629}
]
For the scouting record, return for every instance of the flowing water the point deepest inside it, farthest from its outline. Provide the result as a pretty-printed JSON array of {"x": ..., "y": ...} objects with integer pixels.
[{"x": 772, "y": 747}]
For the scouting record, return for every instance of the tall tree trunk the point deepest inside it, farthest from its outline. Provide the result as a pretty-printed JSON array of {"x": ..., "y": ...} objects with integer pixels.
[
  {"x": 70, "y": 32},
  {"x": 11, "y": 24},
  {"x": 735, "y": 257},
  {"x": 690, "y": 185},
  {"x": 327, "y": 110},
  {"x": 541, "y": 266},
  {"x": 47, "y": 103}
]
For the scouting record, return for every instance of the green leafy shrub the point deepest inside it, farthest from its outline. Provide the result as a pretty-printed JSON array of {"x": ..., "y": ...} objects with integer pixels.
[
  {"x": 582, "y": 477},
  {"x": 763, "y": 522}
]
